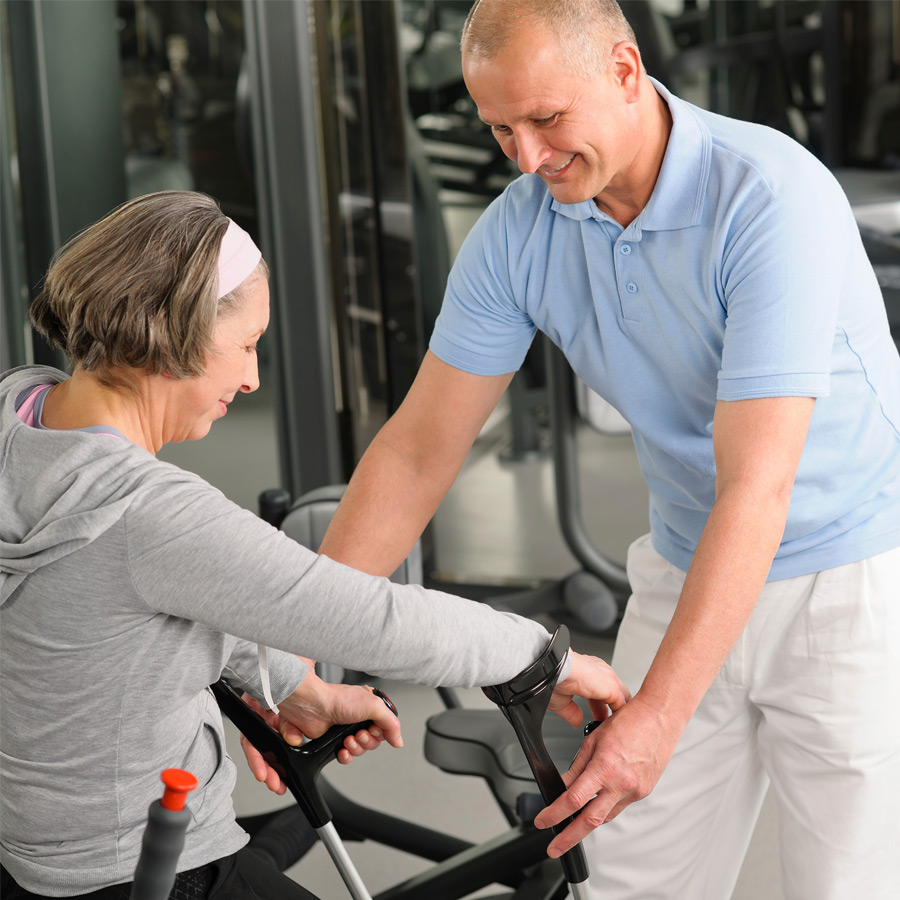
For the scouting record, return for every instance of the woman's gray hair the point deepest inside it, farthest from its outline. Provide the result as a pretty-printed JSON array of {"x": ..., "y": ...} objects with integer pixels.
[
  {"x": 587, "y": 30},
  {"x": 137, "y": 289}
]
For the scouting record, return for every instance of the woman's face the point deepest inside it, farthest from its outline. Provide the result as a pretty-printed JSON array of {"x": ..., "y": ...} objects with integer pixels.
[{"x": 231, "y": 366}]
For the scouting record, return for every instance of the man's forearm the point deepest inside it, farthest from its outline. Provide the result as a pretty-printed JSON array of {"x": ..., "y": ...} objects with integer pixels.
[
  {"x": 719, "y": 595},
  {"x": 403, "y": 476},
  {"x": 758, "y": 445},
  {"x": 387, "y": 505}
]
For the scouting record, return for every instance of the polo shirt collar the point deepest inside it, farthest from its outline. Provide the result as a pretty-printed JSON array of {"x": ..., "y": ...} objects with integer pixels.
[{"x": 677, "y": 199}]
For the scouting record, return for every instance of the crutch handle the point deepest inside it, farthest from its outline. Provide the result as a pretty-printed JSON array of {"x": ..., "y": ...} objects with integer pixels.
[
  {"x": 163, "y": 841},
  {"x": 524, "y": 701},
  {"x": 298, "y": 767}
]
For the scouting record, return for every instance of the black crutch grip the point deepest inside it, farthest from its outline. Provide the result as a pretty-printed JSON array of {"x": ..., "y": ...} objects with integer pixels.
[
  {"x": 298, "y": 767},
  {"x": 524, "y": 701}
]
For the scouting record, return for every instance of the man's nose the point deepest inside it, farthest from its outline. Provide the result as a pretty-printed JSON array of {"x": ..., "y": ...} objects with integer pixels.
[{"x": 531, "y": 151}]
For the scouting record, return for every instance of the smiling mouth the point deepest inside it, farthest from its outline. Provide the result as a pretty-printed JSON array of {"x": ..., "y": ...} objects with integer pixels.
[{"x": 558, "y": 169}]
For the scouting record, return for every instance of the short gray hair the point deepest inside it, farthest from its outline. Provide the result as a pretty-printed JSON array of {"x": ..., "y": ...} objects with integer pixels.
[
  {"x": 587, "y": 29},
  {"x": 137, "y": 289}
]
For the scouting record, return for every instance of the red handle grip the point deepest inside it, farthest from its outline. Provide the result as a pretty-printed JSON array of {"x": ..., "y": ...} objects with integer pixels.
[{"x": 179, "y": 784}]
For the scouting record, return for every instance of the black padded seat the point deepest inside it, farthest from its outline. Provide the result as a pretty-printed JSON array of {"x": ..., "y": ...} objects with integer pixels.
[{"x": 481, "y": 742}]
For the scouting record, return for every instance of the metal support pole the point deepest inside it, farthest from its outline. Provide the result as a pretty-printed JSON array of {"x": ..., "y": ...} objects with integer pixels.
[{"x": 342, "y": 862}]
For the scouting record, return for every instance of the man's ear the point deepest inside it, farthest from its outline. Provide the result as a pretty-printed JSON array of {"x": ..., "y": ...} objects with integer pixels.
[{"x": 626, "y": 68}]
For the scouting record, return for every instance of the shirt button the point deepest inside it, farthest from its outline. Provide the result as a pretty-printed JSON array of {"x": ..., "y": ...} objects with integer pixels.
[
  {"x": 631, "y": 287},
  {"x": 625, "y": 249}
]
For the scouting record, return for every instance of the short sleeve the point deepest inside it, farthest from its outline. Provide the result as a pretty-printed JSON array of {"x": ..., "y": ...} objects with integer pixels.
[
  {"x": 784, "y": 272},
  {"x": 481, "y": 329}
]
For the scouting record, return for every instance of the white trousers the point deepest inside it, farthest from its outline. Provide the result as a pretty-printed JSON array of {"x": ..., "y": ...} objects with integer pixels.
[{"x": 809, "y": 700}]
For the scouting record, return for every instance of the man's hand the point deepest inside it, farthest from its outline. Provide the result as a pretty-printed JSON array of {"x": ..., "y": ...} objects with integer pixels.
[
  {"x": 618, "y": 763},
  {"x": 311, "y": 710}
]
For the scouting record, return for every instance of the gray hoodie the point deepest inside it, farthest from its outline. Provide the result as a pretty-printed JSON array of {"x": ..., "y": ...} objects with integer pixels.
[{"x": 127, "y": 586}]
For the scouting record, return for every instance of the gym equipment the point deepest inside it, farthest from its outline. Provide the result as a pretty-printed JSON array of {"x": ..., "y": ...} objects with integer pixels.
[
  {"x": 593, "y": 597},
  {"x": 163, "y": 840},
  {"x": 595, "y": 594},
  {"x": 516, "y": 858}
]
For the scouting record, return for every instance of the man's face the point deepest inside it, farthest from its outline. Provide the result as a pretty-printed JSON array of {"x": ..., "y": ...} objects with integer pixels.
[{"x": 581, "y": 136}]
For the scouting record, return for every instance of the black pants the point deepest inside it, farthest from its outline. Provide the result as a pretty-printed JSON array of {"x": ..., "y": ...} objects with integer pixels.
[{"x": 247, "y": 875}]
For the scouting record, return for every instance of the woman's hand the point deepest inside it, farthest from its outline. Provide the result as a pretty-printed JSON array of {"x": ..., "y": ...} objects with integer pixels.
[
  {"x": 311, "y": 710},
  {"x": 594, "y": 680}
]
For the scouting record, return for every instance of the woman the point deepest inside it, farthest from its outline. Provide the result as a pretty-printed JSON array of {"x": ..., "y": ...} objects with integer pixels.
[{"x": 128, "y": 585}]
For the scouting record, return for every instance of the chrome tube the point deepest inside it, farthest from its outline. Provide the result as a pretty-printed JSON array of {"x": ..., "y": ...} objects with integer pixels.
[
  {"x": 580, "y": 891},
  {"x": 338, "y": 853}
]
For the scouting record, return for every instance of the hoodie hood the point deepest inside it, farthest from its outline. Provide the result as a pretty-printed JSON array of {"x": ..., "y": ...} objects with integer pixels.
[{"x": 59, "y": 490}]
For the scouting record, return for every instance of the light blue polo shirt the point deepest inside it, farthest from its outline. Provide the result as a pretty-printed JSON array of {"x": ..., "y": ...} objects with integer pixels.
[{"x": 744, "y": 276}]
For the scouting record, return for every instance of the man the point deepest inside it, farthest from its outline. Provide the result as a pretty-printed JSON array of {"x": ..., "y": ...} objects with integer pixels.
[{"x": 705, "y": 276}]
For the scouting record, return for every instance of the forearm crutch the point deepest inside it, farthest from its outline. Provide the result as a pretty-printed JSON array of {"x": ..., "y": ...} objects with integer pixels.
[
  {"x": 524, "y": 701},
  {"x": 299, "y": 769}
]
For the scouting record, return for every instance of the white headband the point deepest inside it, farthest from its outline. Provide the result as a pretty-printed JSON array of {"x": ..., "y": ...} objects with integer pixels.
[{"x": 238, "y": 257}]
